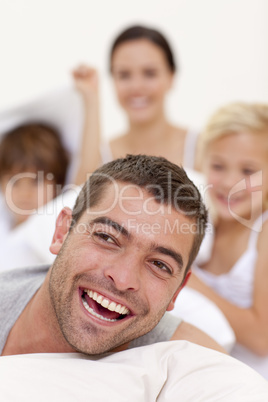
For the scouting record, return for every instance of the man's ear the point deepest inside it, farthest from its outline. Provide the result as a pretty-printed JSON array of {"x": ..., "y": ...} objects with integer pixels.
[
  {"x": 63, "y": 224},
  {"x": 172, "y": 303}
]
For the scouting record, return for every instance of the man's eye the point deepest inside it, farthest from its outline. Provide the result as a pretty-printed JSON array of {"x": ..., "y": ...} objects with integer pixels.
[
  {"x": 105, "y": 237},
  {"x": 162, "y": 267}
]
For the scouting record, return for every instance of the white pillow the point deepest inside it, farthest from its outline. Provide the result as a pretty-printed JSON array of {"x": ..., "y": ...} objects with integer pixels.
[{"x": 164, "y": 372}]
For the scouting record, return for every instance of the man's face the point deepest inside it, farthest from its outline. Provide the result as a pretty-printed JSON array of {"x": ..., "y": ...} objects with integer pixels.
[{"x": 118, "y": 270}]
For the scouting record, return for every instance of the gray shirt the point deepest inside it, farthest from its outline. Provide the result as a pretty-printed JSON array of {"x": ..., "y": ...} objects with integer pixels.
[{"x": 17, "y": 287}]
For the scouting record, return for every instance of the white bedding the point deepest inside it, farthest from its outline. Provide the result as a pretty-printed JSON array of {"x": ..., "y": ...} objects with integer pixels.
[
  {"x": 28, "y": 244},
  {"x": 198, "y": 310},
  {"x": 164, "y": 372}
]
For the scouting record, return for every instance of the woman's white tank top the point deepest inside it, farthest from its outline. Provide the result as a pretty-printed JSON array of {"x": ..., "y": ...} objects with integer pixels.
[{"x": 188, "y": 155}]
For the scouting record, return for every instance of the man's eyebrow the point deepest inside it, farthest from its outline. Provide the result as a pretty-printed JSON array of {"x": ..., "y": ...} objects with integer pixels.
[
  {"x": 104, "y": 220},
  {"x": 171, "y": 253}
]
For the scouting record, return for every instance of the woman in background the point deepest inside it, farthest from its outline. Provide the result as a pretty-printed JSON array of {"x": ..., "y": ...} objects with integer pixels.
[
  {"x": 143, "y": 68},
  {"x": 233, "y": 270}
]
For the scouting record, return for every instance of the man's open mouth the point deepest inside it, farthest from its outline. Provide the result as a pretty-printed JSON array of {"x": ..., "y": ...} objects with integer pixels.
[{"x": 101, "y": 307}]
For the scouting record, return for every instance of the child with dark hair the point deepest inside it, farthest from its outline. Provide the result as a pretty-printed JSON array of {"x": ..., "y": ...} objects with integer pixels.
[{"x": 33, "y": 165}]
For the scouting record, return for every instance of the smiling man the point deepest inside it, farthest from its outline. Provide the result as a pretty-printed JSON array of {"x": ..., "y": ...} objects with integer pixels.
[{"x": 123, "y": 255}]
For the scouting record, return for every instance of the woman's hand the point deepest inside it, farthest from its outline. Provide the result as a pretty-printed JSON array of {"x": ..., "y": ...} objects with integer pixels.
[{"x": 86, "y": 80}]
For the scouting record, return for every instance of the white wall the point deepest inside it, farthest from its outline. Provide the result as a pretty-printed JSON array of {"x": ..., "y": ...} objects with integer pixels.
[{"x": 222, "y": 47}]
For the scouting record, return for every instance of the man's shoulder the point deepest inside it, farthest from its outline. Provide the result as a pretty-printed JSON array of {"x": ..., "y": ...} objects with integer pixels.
[
  {"x": 19, "y": 281},
  {"x": 17, "y": 288},
  {"x": 162, "y": 332},
  {"x": 24, "y": 273}
]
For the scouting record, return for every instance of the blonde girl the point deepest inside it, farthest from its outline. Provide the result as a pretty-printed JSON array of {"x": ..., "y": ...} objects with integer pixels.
[{"x": 232, "y": 269}]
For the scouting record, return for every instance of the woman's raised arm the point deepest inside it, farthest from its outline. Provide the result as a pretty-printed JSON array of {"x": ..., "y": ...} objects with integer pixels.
[{"x": 86, "y": 82}]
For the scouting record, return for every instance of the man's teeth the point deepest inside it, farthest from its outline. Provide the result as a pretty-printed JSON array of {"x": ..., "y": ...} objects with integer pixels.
[
  {"x": 112, "y": 306},
  {"x": 91, "y": 311}
]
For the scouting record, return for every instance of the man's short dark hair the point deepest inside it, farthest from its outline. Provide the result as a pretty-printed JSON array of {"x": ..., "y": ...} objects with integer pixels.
[{"x": 166, "y": 182}]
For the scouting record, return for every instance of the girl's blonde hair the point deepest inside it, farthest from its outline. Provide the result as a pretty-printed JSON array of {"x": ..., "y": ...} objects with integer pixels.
[{"x": 235, "y": 118}]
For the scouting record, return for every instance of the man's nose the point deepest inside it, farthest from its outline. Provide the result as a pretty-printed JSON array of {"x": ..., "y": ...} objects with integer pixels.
[{"x": 125, "y": 273}]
